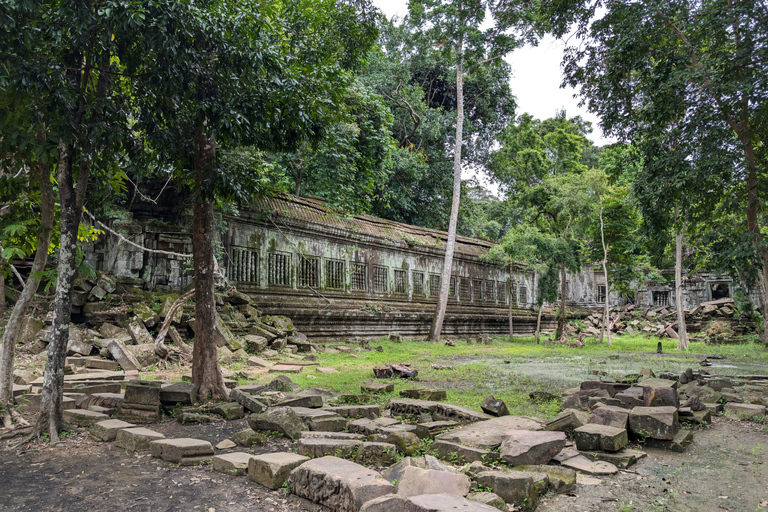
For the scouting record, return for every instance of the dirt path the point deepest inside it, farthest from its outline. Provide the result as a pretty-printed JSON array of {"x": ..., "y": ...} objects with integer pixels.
[{"x": 726, "y": 468}]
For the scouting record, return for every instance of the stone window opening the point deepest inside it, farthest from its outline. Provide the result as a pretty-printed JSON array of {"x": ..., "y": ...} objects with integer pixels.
[
  {"x": 309, "y": 272},
  {"x": 719, "y": 291},
  {"x": 661, "y": 298},
  {"x": 359, "y": 278},
  {"x": 523, "y": 295},
  {"x": 452, "y": 287},
  {"x": 513, "y": 293},
  {"x": 477, "y": 290},
  {"x": 334, "y": 274},
  {"x": 380, "y": 279},
  {"x": 434, "y": 285},
  {"x": 464, "y": 292},
  {"x": 600, "y": 295},
  {"x": 279, "y": 269},
  {"x": 401, "y": 281},
  {"x": 244, "y": 266},
  {"x": 502, "y": 291},
  {"x": 418, "y": 283},
  {"x": 490, "y": 290}
]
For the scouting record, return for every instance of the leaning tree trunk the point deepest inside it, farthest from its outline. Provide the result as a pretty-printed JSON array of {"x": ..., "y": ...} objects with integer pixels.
[
  {"x": 17, "y": 313},
  {"x": 561, "y": 318},
  {"x": 606, "y": 309},
  {"x": 682, "y": 331},
  {"x": 538, "y": 324},
  {"x": 511, "y": 307},
  {"x": 442, "y": 302},
  {"x": 71, "y": 202},
  {"x": 206, "y": 372}
]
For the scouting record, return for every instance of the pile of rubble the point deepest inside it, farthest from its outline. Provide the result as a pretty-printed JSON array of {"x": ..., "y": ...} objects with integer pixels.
[
  {"x": 115, "y": 325},
  {"x": 661, "y": 321}
]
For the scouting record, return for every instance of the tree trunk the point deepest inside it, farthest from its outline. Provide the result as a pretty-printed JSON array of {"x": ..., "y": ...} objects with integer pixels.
[
  {"x": 561, "y": 318},
  {"x": 442, "y": 302},
  {"x": 33, "y": 281},
  {"x": 71, "y": 202},
  {"x": 682, "y": 331},
  {"x": 538, "y": 324},
  {"x": 206, "y": 372},
  {"x": 511, "y": 318},
  {"x": 606, "y": 309}
]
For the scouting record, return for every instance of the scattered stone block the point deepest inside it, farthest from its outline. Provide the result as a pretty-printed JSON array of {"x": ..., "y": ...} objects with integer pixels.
[
  {"x": 320, "y": 447},
  {"x": 463, "y": 454},
  {"x": 520, "y": 447},
  {"x": 377, "y": 388},
  {"x": 235, "y": 463},
  {"x": 622, "y": 459},
  {"x": 658, "y": 383},
  {"x": 445, "y": 503},
  {"x": 319, "y": 419},
  {"x": 561, "y": 480},
  {"x": 309, "y": 434},
  {"x": 654, "y": 422},
  {"x": 339, "y": 484},
  {"x": 590, "y": 467},
  {"x": 136, "y": 439},
  {"x": 416, "y": 481},
  {"x": 280, "y": 419},
  {"x": 180, "y": 393},
  {"x": 593, "y": 436},
  {"x": 488, "y": 498},
  {"x": 107, "y": 430},
  {"x": 494, "y": 406},
  {"x": 567, "y": 421},
  {"x": 488, "y": 434},
  {"x": 286, "y": 368},
  {"x": 102, "y": 364},
  {"x": 388, "y": 503},
  {"x": 257, "y": 361},
  {"x": 139, "y": 334},
  {"x": 611, "y": 416},
  {"x": 424, "y": 394},
  {"x": 229, "y": 410},
  {"x": 283, "y": 383},
  {"x": 376, "y": 453},
  {"x": 248, "y": 438},
  {"x": 121, "y": 354},
  {"x": 310, "y": 401},
  {"x": 631, "y": 397},
  {"x": 181, "y": 450},
  {"x": 248, "y": 401},
  {"x": 746, "y": 411},
  {"x": 83, "y": 418},
  {"x": 660, "y": 397},
  {"x": 407, "y": 443},
  {"x": 431, "y": 429},
  {"x": 523, "y": 490},
  {"x": 102, "y": 410},
  {"x": 679, "y": 443},
  {"x": 226, "y": 445},
  {"x": 272, "y": 469},
  {"x": 323, "y": 369},
  {"x": 356, "y": 411}
]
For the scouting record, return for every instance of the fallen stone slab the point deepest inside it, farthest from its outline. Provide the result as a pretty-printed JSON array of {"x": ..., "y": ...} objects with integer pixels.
[
  {"x": 339, "y": 484},
  {"x": 377, "y": 388},
  {"x": 102, "y": 410},
  {"x": 380, "y": 454},
  {"x": 108, "y": 400},
  {"x": 319, "y": 447},
  {"x": 136, "y": 439},
  {"x": 407, "y": 443},
  {"x": 248, "y": 438},
  {"x": 658, "y": 383},
  {"x": 179, "y": 393},
  {"x": 567, "y": 421},
  {"x": 101, "y": 364},
  {"x": 424, "y": 394},
  {"x": 395, "y": 471},
  {"x": 286, "y": 368},
  {"x": 122, "y": 355},
  {"x": 235, "y": 463},
  {"x": 593, "y": 436},
  {"x": 229, "y": 410},
  {"x": 320, "y": 419},
  {"x": 488, "y": 434},
  {"x": 83, "y": 418},
  {"x": 494, "y": 406},
  {"x": 310, "y": 401},
  {"x": 611, "y": 416},
  {"x": 488, "y": 498},
  {"x": 660, "y": 397},
  {"x": 654, "y": 422},
  {"x": 446, "y": 503},
  {"x": 181, "y": 449},
  {"x": 463, "y": 454},
  {"x": 631, "y": 397},
  {"x": 621, "y": 459},
  {"x": 416, "y": 481},
  {"x": 561, "y": 479},
  {"x": 438, "y": 410},
  {"x": 248, "y": 401},
  {"x": 272, "y": 469},
  {"x": 280, "y": 419},
  {"x": 368, "y": 427},
  {"x": 388, "y": 503},
  {"x": 257, "y": 361},
  {"x": 580, "y": 399},
  {"x": 678, "y": 444},
  {"x": 745, "y": 411},
  {"x": 356, "y": 411},
  {"x": 431, "y": 429},
  {"x": 107, "y": 430},
  {"x": 315, "y": 434},
  {"x": 590, "y": 467},
  {"x": 519, "y": 447},
  {"x": 521, "y": 489}
]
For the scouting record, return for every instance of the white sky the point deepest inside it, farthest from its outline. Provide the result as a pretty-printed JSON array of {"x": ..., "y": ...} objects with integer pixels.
[{"x": 536, "y": 77}]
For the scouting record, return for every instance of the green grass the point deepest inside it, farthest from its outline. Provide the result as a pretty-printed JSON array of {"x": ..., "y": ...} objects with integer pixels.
[{"x": 510, "y": 371}]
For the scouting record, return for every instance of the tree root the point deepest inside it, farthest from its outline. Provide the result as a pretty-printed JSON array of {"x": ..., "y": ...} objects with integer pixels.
[{"x": 160, "y": 348}]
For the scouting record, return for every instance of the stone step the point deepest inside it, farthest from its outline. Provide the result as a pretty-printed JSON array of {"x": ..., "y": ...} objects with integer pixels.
[
  {"x": 184, "y": 451},
  {"x": 319, "y": 447},
  {"x": 83, "y": 418},
  {"x": 107, "y": 430},
  {"x": 272, "y": 469},
  {"x": 321, "y": 419}
]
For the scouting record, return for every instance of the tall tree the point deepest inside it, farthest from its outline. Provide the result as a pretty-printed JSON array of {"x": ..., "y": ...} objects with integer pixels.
[
  {"x": 690, "y": 74},
  {"x": 456, "y": 27}
]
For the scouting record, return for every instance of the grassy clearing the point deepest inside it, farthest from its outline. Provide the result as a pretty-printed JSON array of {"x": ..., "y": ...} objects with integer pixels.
[{"x": 511, "y": 370}]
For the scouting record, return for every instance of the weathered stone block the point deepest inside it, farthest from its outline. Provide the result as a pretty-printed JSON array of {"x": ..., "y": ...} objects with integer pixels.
[
  {"x": 319, "y": 447},
  {"x": 83, "y": 418},
  {"x": 107, "y": 430},
  {"x": 248, "y": 401},
  {"x": 745, "y": 411},
  {"x": 660, "y": 397},
  {"x": 611, "y": 416},
  {"x": 530, "y": 447},
  {"x": 280, "y": 419},
  {"x": 494, "y": 406},
  {"x": 229, "y": 410},
  {"x": 338, "y": 484},
  {"x": 136, "y": 439},
  {"x": 144, "y": 392},
  {"x": 445, "y": 503},
  {"x": 319, "y": 419},
  {"x": 310, "y": 401},
  {"x": 139, "y": 334},
  {"x": 431, "y": 429},
  {"x": 488, "y": 434},
  {"x": 561, "y": 480},
  {"x": 248, "y": 438},
  {"x": 356, "y": 411},
  {"x": 235, "y": 463},
  {"x": 174, "y": 450},
  {"x": 121, "y": 354},
  {"x": 416, "y": 481},
  {"x": 521, "y": 489},
  {"x": 462, "y": 454},
  {"x": 567, "y": 421},
  {"x": 184, "y": 393},
  {"x": 376, "y": 453},
  {"x": 593, "y": 436},
  {"x": 591, "y": 467},
  {"x": 654, "y": 422}
]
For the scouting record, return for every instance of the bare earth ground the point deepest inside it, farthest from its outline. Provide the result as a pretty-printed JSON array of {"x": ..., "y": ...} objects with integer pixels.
[{"x": 726, "y": 468}]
